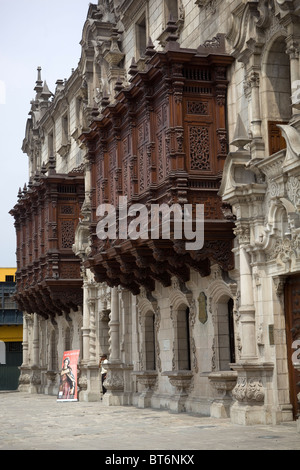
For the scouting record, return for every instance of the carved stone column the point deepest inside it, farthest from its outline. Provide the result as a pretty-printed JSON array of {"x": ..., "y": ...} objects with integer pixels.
[
  {"x": 24, "y": 380},
  {"x": 85, "y": 326},
  {"x": 114, "y": 325},
  {"x": 246, "y": 310},
  {"x": 114, "y": 382},
  {"x": 35, "y": 341},
  {"x": 90, "y": 378},
  {"x": 26, "y": 318}
]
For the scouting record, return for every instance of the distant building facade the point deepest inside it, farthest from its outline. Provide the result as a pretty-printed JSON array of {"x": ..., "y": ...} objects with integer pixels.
[
  {"x": 172, "y": 102},
  {"x": 11, "y": 331}
]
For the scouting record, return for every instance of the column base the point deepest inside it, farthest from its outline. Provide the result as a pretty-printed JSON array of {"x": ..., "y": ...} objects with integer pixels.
[
  {"x": 248, "y": 415},
  {"x": 114, "y": 385},
  {"x": 223, "y": 382},
  {"x": 148, "y": 380},
  {"x": 30, "y": 380},
  {"x": 252, "y": 393},
  {"x": 90, "y": 384},
  {"x": 181, "y": 381}
]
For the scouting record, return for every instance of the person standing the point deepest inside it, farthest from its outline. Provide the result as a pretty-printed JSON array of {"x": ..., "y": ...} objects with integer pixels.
[{"x": 103, "y": 361}]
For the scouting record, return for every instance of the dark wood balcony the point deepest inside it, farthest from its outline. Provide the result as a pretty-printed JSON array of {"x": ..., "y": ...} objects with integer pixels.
[
  {"x": 163, "y": 141},
  {"x": 46, "y": 216}
]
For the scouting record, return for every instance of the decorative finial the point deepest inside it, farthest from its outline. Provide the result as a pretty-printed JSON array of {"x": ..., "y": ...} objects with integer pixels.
[
  {"x": 118, "y": 85},
  {"x": 133, "y": 69},
  {"x": 39, "y": 83},
  {"x": 46, "y": 93},
  {"x": 240, "y": 138},
  {"x": 150, "y": 49},
  {"x": 105, "y": 99},
  {"x": 173, "y": 36}
]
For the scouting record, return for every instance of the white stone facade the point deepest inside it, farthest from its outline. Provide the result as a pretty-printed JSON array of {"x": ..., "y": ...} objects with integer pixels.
[{"x": 245, "y": 378}]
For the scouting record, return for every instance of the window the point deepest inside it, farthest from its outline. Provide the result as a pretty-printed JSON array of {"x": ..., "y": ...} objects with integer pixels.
[
  {"x": 171, "y": 10},
  {"x": 150, "y": 341},
  {"x": 226, "y": 343},
  {"x": 9, "y": 303},
  {"x": 141, "y": 37},
  {"x": 65, "y": 130},
  {"x": 183, "y": 339},
  {"x": 50, "y": 145},
  {"x": 9, "y": 279},
  {"x": 276, "y": 93}
]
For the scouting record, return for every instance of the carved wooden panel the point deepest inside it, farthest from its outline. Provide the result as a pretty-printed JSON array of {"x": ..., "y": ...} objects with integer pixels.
[
  {"x": 46, "y": 218},
  {"x": 67, "y": 234},
  {"x": 163, "y": 141},
  {"x": 200, "y": 146}
]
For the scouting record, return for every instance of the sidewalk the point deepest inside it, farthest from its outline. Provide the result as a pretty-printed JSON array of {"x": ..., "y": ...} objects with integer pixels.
[{"x": 39, "y": 422}]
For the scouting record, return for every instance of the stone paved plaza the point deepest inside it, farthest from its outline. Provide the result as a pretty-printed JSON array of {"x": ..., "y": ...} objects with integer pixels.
[{"x": 39, "y": 422}]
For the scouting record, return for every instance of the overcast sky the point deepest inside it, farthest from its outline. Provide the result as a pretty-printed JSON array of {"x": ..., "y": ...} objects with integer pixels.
[{"x": 33, "y": 33}]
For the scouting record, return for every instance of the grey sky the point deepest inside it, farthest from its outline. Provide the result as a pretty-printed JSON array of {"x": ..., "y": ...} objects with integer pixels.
[{"x": 32, "y": 33}]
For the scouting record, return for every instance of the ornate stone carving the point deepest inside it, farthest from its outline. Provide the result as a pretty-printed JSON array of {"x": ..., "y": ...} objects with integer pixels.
[
  {"x": 293, "y": 190},
  {"x": 114, "y": 380},
  {"x": 250, "y": 390},
  {"x": 209, "y": 5},
  {"x": 147, "y": 378}
]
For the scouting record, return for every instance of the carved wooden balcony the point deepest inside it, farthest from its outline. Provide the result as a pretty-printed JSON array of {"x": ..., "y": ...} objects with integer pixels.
[
  {"x": 163, "y": 140},
  {"x": 48, "y": 273}
]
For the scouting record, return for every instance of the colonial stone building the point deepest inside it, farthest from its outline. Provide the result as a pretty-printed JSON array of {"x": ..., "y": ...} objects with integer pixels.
[{"x": 173, "y": 102}]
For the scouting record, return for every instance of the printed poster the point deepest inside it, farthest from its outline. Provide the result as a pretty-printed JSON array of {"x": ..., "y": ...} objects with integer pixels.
[{"x": 68, "y": 377}]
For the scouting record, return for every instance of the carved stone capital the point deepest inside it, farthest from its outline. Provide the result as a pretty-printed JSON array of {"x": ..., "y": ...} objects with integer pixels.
[{"x": 251, "y": 382}]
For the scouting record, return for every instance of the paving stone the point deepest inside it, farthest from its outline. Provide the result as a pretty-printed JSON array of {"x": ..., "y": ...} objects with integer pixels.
[{"x": 39, "y": 422}]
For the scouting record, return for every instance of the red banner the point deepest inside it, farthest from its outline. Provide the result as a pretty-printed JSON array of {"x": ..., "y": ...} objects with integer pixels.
[{"x": 68, "y": 377}]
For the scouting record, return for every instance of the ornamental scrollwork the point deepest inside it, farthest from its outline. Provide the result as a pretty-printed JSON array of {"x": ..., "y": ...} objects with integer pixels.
[
  {"x": 293, "y": 190},
  {"x": 250, "y": 390}
]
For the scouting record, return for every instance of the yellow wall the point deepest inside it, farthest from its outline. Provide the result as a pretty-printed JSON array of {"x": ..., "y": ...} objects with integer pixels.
[
  {"x": 6, "y": 272},
  {"x": 11, "y": 334}
]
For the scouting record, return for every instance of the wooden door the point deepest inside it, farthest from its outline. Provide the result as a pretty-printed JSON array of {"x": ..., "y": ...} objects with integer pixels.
[
  {"x": 276, "y": 140},
  {"x": 292, "y": 314}
]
